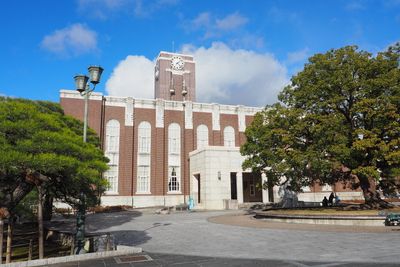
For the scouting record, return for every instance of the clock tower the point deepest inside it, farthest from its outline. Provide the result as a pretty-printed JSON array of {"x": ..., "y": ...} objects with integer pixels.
[{"x": 174, "y": 77}]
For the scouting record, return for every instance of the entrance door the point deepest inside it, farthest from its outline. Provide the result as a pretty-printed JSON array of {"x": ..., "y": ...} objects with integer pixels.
[
  {"x": 233, "y": 186},
  {"x": 252, "y": 192},
  {"x": 197, "y": 176}
]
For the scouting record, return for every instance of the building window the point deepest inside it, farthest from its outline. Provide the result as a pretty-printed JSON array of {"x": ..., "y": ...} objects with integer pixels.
[
  {"x": 112, "y": 153},
  {"x": 229, "y": 136},
  {"x": 144, "y": 157},
  {"x": 174, "y": 157},
  {"x": 174, "y": 139},
  {"x": 112, "y": 177},
  {"x": 144, "y": 137},
  {"x": 143, "y": 179},
  {"x": 173, "y": 184},
  {"x": 202, "y": 136}
]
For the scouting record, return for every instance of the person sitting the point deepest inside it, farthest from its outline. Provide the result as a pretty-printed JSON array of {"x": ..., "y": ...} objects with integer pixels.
[
  {"x": 325, "y": 202},
  {"x": 330, "y": 201}
]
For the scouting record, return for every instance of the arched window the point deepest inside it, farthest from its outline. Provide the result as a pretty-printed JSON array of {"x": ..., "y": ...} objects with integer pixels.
[
  {"x": 144, "y": 157},
  {"x": 202, "y": 136},
  {"x": 229, "y": 136},
  {"x": 174, "y": 157},
  {"x": 112, "y": 152}
]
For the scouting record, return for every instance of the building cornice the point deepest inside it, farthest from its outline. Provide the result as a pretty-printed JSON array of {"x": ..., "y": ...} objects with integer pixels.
[{"x": 169, "y": 104}]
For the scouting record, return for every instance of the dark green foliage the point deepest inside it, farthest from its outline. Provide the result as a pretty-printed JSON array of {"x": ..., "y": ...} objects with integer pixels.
[
  {"x": 36, "y": 137},
  {"x": 340, "y": 122}
]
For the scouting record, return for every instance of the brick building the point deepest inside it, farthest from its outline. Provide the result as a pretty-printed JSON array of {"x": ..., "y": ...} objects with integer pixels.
[{"x": 164, "y": 150}]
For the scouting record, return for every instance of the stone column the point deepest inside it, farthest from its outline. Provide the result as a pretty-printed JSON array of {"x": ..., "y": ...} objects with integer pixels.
[
  {"x": 264, "y": 191},
  {"x": 239, "y": 187}
]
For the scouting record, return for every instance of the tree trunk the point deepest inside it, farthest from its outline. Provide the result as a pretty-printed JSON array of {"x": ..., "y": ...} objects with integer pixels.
[
  {"x": 1, "y": 239},
  {"x": 10, "y": 231},
  {"x": 371, "y": 196},
  {"x": 40, "y": 221},
  {"x": 47, "y": 207}
]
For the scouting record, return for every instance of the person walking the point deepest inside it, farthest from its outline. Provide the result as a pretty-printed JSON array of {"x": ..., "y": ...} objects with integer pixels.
[{"x": 330, "y": 200}]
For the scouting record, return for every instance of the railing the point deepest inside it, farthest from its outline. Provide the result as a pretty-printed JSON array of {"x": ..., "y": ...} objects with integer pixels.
[{"x": 25, "y": 244}]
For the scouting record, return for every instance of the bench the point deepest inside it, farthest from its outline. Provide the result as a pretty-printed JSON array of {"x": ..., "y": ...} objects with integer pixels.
[{"x": 392, "y": 219}]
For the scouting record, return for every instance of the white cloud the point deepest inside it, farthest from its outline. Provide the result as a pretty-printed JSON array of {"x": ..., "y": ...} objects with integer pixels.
[
  {"x": 147, "y": 8},
  {"x": 231, "y": 22},
  {"x": 297, "y": 56},
  {"x": 223, "y": 75},
  {"x": 71, "y": 41},
  {"x": 202, "y": 20},
  {"x": 236, "y": 76},
  {"x": 132, "y": 77},
  {"x": 100, "y": 8},
  {"x": 213, "y": 26},
  {"x": 103, "y": 9}
]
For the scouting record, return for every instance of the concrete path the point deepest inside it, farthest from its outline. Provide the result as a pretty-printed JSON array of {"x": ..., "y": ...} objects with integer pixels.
[
  {"x": 190, "y": 233},
  {"x": 158, "y": 259}
]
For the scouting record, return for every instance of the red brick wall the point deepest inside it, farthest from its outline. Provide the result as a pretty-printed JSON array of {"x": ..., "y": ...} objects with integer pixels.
[
  {"x": 76, "y": 109},
  {"x": 229, "y": 120},
  {"x": 159, "y": 143},
  {"x": 206, "y": 119}
]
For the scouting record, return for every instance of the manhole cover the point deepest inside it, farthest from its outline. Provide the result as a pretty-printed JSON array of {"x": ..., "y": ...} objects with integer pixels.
[{"x": 135, "y": 258}]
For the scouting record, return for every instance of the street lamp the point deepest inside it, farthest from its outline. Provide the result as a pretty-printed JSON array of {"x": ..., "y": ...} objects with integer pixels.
[
  {"x": 83, "y": 87},
  {"x": 82, "y": 84}
]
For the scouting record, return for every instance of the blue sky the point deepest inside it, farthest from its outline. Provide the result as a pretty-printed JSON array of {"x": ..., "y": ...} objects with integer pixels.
[{"x": 246, "y": 51}]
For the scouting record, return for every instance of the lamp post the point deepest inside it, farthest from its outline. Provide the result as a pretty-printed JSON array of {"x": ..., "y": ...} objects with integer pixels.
[{"x": 82, "y": 84}]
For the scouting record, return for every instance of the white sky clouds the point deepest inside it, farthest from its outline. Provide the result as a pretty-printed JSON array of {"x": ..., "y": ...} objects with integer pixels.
[
  {"x": 71, "y": 41},
  {"x": 297, "y": 56},
  {"x": 231, "y": 22},
  {"x": 133, "y": 77},
  {"x": 100, "y": 8},
  {"x": 239, "y": 76},
  {"x": 213, "y": 26},
  {"x": 103, "y": 9},
  {"x": 223, "y": 75}
]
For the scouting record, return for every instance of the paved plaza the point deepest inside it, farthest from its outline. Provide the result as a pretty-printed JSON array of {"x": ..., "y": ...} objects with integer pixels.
[{"x": 203, "y": 239}]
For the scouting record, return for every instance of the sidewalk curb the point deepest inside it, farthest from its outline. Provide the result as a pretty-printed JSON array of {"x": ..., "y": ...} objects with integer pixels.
[{"x": 121, "y": 250}]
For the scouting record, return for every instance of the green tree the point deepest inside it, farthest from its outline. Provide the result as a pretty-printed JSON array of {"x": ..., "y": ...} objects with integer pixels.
[
  {"x": 40, "y": 146},
  {"x": 340, "y": 122}
]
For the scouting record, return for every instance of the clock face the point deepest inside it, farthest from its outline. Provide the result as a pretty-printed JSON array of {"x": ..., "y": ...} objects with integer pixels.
[{"x": 177, "y": 63}]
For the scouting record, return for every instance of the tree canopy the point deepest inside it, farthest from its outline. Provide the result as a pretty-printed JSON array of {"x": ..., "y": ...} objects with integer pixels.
[
  {"x": 338, "y": 120},
  {"x": 39, "y": 143}
]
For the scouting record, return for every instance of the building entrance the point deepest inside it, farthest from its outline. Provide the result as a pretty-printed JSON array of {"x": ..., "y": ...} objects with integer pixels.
[
  {"x": 197, "y": 176},
  {"x": 233, "y": 186},
  {"x": 252, "y": 191}
]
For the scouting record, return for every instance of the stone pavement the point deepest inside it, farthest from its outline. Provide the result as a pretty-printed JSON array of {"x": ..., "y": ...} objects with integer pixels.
[
  {"x": 193, "y": 239},
  {"x": 157, "y": 259}
]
